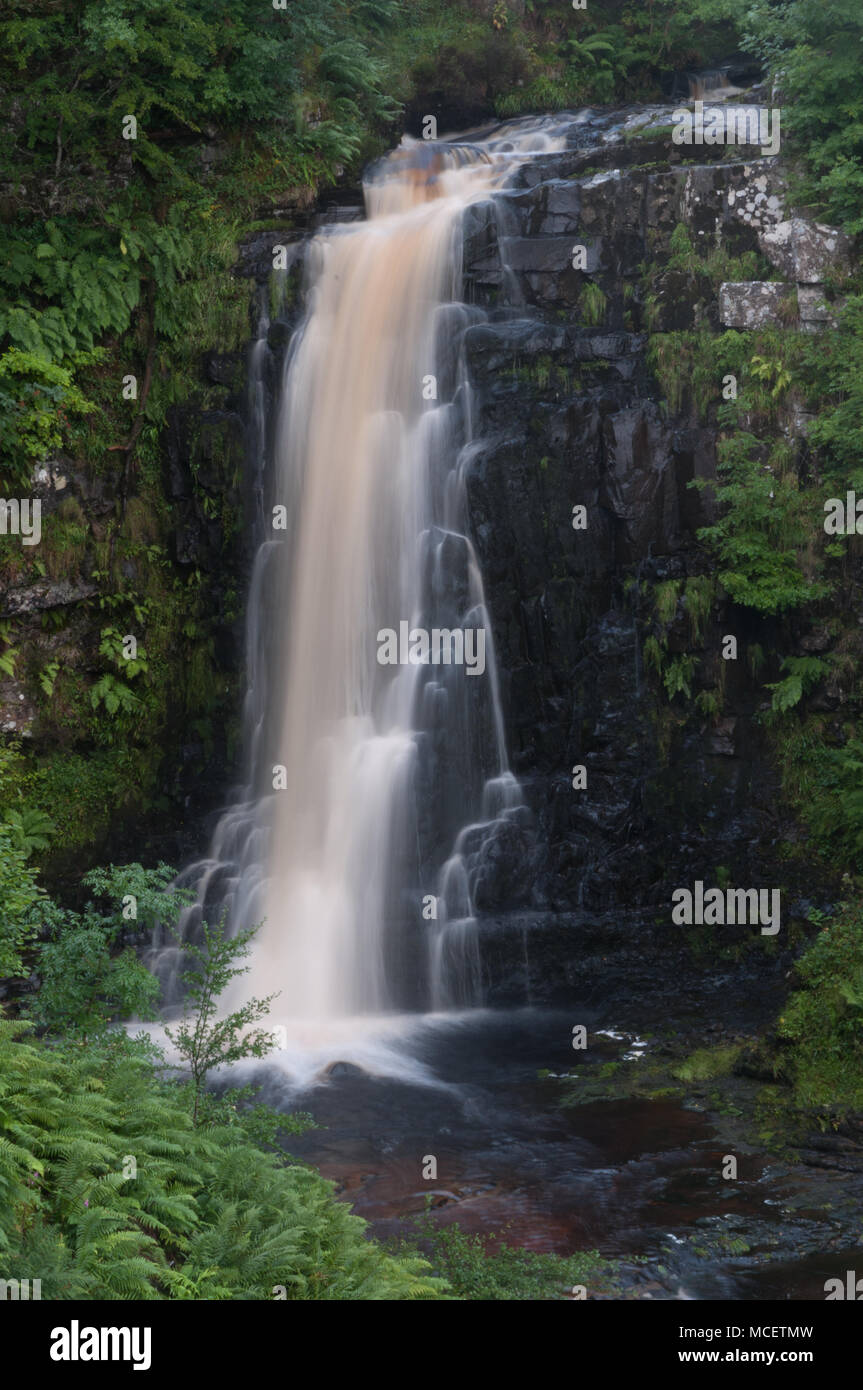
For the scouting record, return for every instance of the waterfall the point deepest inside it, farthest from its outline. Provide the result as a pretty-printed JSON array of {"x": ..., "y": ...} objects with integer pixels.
[
  {"x": 712, "y": 85},
  {"x": 371, "y": 782}
]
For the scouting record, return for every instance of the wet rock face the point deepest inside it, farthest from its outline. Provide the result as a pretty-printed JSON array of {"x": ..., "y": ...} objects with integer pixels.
[
  {"x": 209, "y": 448},
  {"x": 569, "y": 417}
]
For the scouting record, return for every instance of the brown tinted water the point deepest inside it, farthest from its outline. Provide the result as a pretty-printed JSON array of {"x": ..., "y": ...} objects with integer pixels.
[{"x": 637, "y": 1180}]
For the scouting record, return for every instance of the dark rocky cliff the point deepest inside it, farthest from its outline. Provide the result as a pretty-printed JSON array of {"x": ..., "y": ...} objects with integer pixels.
[{"x": 571, "y": 415}]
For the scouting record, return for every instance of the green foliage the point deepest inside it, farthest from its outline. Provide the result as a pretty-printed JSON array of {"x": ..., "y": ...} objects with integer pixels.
[
  {"x": 36, "y": 399},
  {"x": 87, "y": 978},
  {"x": 157, "y": 900},
  {"x": 179, "y": 65},
  {"x": 652, "y": 654},
  {"x": 764, "y": 538},
  {"x": 109, "y": 690},
  {"x": 20, "y": 896},
  {"x": 108, "y": 1191},
  {"x": 706, "y": 1064},
  {"x": 677, "y": 677},
  {"x": 106, "y": 235},
  {"x": 786, "y": 693},
  {"x": 686, "y": 270},
  {"x": 816, "y": 46},
  {"x": 118, "y": 259},
  {"x": 544, "y": 93},
  {"x": 533, "y": 57},
  {"x": 691, "y": 366},
  {"x": 29, "y": 829},
  {"x": 592, "y": 305},
  {"x": 632, "y": 45},
  {"x": 90, "y": 288},
  {"x": 237, "y": 1106},
  {"x": 591, "y": 64},
  {"x": 676, "y": 672},
  {"x": 48, "y": 676},
  {"x": 112, "y": 646},
  {"x": 709, "y": 703},
  {"x": 475, "y": 1272},
  {"x": 84, "y": 985},
  {"x": 115, "y": 1183},
  {"x": 835, "y": 362},
  {"x": 203, "y": 1039},
  {"x": 823, "y": 1021},
  {"x": 682, "y": 253},
  {"x": 665, "y": 600},
  {"x": 698, "y": 597},
  {"x": 775, "y": 374},
  {"x": 83, "y": 794},
  {"x": 804, "y": 673},
  {"x": 114, "y": 694},
  {"x": 679, "y": 369},
  {"x": 836, "y": 814}
]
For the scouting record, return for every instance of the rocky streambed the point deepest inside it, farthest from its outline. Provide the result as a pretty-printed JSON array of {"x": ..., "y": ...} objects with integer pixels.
[{"x": 537, "y": 1146}]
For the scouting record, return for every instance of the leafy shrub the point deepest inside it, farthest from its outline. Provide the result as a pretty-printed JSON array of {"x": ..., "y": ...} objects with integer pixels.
[
  {"x": 36, "y": 398},
  {"x": 836, "y": 363},
  {"x": 763, "y": 539},
  {"x": 823, "y": 1021},
  {"x": 836, "y": 812},
  {"x": 88, "y": 977},
  {"x": 207, "y": 1038},
  {"x": 19, "y": 896}
]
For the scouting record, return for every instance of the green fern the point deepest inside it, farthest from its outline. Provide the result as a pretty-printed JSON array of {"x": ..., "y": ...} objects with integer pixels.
[
  {"x": 29, "y": 829},
  {"x": 207, "y": 1213}
]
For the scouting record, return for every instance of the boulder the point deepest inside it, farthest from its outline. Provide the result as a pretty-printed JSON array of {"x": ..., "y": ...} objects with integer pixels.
[
  {"x": 753, "y": 304},
  {"x": 804, "y": 251},
  {"x": 814, "y": 310},
  {"x": 36, "y": 598}
]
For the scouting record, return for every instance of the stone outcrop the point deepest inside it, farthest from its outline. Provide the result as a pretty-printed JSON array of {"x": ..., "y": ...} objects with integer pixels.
[
  {"x": 806, "y": 251},
  {"x": 752, "y": 304}
]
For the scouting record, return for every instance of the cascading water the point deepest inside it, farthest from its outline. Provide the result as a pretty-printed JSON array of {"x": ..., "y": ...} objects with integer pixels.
[{"x": 372, "y": 786}]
